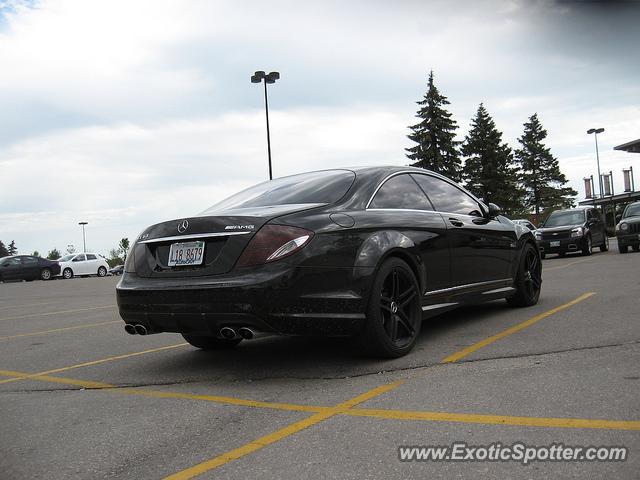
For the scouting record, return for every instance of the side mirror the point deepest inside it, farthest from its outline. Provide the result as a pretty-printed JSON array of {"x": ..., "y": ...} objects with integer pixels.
[{"x": 494, "y": 210}]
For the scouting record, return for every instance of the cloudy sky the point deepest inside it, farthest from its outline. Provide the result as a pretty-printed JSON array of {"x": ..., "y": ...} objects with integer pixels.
[{"x": 126, "y": 113}]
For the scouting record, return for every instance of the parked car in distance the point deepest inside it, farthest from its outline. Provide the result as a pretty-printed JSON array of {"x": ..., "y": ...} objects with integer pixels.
[
  {"x": 365, "y": 252},
  {"x": 27, "y": 267},
  {"x": 79, "y": 264},
  {"x": 117, "y": 270},
  {"x": 572, "y": 230},
  {"x": 525, "y": 223},
  {"x": 628, "y": 228}
]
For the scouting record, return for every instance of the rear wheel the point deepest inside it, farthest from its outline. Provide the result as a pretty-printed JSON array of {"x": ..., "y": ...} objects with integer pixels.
[
  {"x": 211, "y": 343},
  {"x": 67, "y": 273},
  {"x": 588, "y": 246},
  {"x": 623, "y": 248},
  {"x": 102, "y": 272},
  {"x": 605, "y": 246},
  {"x": 528, "y": 279},
  {"x": 394, "y": 316},
  {"x": 45, "y": 274}
]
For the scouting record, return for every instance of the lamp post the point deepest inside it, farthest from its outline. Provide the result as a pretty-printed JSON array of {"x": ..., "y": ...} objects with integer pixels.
[
  {"x": 269, "y": 78},
  {"x": 596, "y": 131},
  {"x": 84, "y": 242}
]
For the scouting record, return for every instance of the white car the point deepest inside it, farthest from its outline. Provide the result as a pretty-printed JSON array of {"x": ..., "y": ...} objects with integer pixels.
[{"x": 83, "y": 264}]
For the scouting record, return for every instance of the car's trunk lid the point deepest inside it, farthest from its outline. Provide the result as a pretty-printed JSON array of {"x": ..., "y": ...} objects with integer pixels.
[{"x": 225, "y": 236}]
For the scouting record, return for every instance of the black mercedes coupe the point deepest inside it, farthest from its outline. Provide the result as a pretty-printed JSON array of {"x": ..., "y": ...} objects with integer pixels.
[{"x": 367, "y": 252}]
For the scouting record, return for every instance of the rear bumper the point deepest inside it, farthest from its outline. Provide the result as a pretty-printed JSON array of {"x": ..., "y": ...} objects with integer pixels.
[
  {"x": 273, "y": 298},
  {"x": 565, "y": 245}
]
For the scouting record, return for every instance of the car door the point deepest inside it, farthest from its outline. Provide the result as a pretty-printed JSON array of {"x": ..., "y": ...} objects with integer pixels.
[
  {"x": 12, "y": 269},
  {"x": 30, "y": 267},
  {"x": 92, "y": 264},
  {"x": 482, "y": 248},
  {"x": 405, "y": 207},
  {"x": 79, "y": 264}
]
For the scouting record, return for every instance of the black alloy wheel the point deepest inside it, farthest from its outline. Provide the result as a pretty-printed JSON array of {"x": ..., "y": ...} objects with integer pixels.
[
  {"x": 394, "y": 315},
  {"x": 528, "y": 280}
]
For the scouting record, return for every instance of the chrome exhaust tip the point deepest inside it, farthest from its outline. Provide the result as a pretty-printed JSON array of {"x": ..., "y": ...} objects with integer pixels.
[
  {"x": 228, "y": 333},
  {"x": 130, "y": 329},
  {"x": 246, "y": 333},
  {"x": 141, "y": 330}
]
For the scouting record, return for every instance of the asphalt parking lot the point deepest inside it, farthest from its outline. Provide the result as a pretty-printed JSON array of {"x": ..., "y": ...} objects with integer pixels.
[{"x": 79, "y": 398}]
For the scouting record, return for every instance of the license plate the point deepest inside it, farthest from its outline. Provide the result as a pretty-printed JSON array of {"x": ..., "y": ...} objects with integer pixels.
[
  {"x": 554, "y": 244},
  {"x": 184, "y": 254}
]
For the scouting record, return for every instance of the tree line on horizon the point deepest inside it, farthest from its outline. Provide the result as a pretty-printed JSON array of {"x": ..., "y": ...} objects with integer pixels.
[
  {"x": 520, "y": 181},
  {"x": 117, "y": 256}
]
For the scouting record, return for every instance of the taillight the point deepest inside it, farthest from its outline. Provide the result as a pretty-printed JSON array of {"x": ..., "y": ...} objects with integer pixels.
[{"x": 273, "y": 242}]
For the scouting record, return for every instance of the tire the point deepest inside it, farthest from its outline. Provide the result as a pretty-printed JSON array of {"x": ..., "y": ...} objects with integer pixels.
[
  {"x": 67, "y": 273},
  {"x": 394, "y": 314},
  {"x": 102, "y": 272},
  {"x": 636, "y": 248},
  {"x": 45, "y": 274},
  {"x": 588, "y": 247},
  {"x": 211, "y": 343},
  {"x": 623, "y": 248},
  {"x": 605, "y": 246},
  {"x": 528, "y": 279}
]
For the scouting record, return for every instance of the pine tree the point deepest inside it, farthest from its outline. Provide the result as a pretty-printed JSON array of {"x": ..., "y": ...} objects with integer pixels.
[
  {"x": 54, "y": 254},
  {"x": 3, "y": 250},
  {"x": 12, "y": 248},
  {"x": 489, "y": 170},
  {"x": 436, "y": 147},
  {"x": 541, "y": 176}
]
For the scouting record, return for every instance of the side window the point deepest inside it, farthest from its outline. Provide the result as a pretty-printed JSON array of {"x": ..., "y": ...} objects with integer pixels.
[
  {"x": 13, "y": 261},
  {"x": 447, "y": 198},
  {"x": 79, "y": 258},
  {"x": 90, "y": 256},
  {"x": 400, "y": 192},
  {"x": 29, "y": 261}
]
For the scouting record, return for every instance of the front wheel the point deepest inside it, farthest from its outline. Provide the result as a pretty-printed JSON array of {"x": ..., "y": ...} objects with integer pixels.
[
  {"x": 394, "y": 315},
  {"x": 211, "y": 343},
  {"x": 67, "y": 273},
  {"x": 45, "y": 274},
  {"x": 102, "y": 272},
  {"x": 588, "y": 246},
  {"x": 605, "y": 245},
  {"x": 528, "y": 279}
]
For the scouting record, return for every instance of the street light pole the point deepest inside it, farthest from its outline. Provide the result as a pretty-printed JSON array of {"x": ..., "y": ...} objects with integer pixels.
[
  {"x": 258, "y": 77},
  {"x": 596, "y": 131},
  {"x": 84, "y": 242}
]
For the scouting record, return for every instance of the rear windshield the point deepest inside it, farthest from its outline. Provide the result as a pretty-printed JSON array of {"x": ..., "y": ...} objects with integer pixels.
[
  {"x": 316, "y": 187},
  {"x": 558, "y": 219}
]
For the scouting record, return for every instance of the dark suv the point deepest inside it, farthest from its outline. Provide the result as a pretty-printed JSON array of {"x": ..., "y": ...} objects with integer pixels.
[
  {"x": 628, "y": 229},
  {"x": 574, "y": 230}
]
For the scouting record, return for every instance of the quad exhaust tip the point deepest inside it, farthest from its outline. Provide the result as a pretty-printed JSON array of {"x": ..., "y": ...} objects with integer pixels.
[
  {"x": 228, "y": 333},
  {"x": 246, "y": 333},
  {"x": 141, "y": 330}
]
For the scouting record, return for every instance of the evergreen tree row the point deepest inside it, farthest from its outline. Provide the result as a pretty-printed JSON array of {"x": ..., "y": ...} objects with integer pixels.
[
  {"x": 10, "y": 250},
  {"x": 519, "y": 181}
]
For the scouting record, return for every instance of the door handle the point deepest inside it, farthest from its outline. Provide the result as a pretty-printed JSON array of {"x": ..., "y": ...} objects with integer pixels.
[{"x": 455, "y": 222}]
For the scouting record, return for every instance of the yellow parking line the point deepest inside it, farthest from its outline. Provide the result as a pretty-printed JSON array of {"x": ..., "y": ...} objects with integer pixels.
[
  {"x": 564, "y": 266},
  {"x": 280, "y": 434},
  {"x": 509, "y": 331},
  {"x": 56, "y": 330},
  {"x": 346, "y": 408},
  {"x": 160, "y": 394},
  {"x": 495, "y": 419},
  {"x": 57, "y": 313},
  {"x": 94, "y": 362}
]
